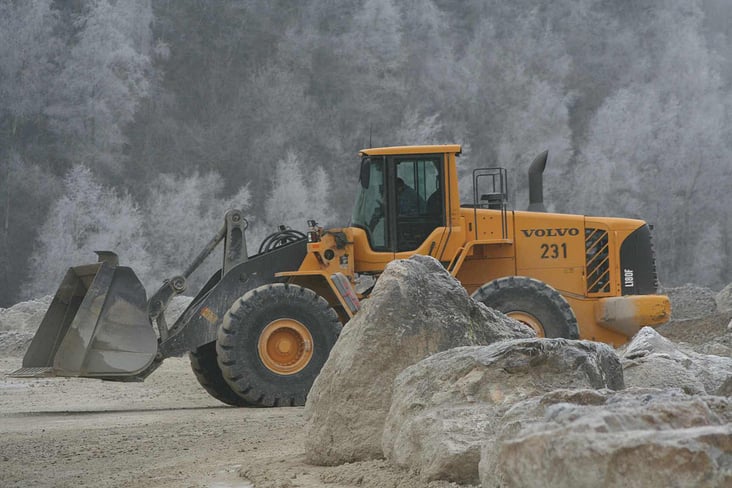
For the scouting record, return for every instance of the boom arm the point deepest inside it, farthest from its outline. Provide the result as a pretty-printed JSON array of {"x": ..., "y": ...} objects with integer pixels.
[{"x": 235, "y": 252}]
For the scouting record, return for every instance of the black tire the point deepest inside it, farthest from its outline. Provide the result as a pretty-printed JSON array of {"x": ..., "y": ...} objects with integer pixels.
[
  {"x": 206, "y": 368},
  {"x": 284, "y": 309},
  {"x": 542, "y": 304}
]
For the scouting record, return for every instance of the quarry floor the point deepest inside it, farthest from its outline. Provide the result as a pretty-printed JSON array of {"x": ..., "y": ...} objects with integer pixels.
[
  {"x": 164, "y": 432},
  {"x": 168, "y": 432}
]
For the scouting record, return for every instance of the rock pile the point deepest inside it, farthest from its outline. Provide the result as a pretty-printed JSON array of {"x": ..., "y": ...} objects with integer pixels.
[
  {"x": 653, "y": 361},
  {"x": 449, "y": 390},
  {"x": 724, "y": 299},
  {"x": 18, "y": 324},
  {"x": 446, "y": 407},
  {"x": 637, "y": 437},
  {"x": 691, "y": 301},
  {"x": 703, "y": 326}
]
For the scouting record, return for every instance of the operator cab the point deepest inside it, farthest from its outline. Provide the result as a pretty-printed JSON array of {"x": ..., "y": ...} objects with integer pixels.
[{"x": 400, "y": 200}]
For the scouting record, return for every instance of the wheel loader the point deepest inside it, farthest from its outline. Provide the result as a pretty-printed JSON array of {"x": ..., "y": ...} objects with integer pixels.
[{"x": 260, "y": 329}]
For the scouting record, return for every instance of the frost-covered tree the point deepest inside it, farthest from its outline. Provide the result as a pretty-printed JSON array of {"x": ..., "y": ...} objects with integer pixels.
[
  {"x": 631, "y": 99},
  {"x": 106, "y": 74},
  {"x": 87, "y": 217},
  {"x": 425, "y": 29},
  {"x": 30, "y": 46},
  {"x": 417, "y": 128},
  {"x": 516, "y": 95},
  {"x": 28, "y": 57},
  {"x": 20, "y": 181},
  {"x": 376, "y": 35},
  {"x": 657, "y": 149},
  {"x": 709, "y": 261},
  {"x": 296, "y": 197},
  {"x": 182, "y": 214}
]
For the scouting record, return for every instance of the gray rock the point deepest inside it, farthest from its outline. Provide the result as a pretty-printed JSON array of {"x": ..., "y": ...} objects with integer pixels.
[
  {"x": 650, "y": 360},
  {"x": 24, "y": 317},
  {"x": 446, "y": 406},
  {"x": 698, "y": 332},
  {"x": 19, "y": 323},
  {"x": 636, "y": 438},
  {"x": 415, "y": 310},
  {"x": 691, "y": 301},
  {"x": 724, "y": 299},
  {"x": 715, "y": 348},
  {"x": 726, "y": 388}
]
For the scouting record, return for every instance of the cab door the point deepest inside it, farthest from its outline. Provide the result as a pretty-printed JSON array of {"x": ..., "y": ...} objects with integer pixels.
[
  {"x": 372, "y": 215},
  {"x": 419, "y": 214},
  {"x": 399, "y": 210}
]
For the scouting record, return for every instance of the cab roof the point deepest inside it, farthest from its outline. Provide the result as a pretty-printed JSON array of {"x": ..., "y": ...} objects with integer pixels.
[{"x": 435, "y": 149}]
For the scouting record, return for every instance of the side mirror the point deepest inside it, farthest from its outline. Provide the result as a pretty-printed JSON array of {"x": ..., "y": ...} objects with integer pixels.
[{"x": 365, "y": 176}]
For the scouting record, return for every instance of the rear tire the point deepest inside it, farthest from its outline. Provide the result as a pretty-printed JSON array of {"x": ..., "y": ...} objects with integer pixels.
[
  {"x": 207, "y": 371},
  {"x": 273, "y": 342},
  {"x": 532, "y": 302}
]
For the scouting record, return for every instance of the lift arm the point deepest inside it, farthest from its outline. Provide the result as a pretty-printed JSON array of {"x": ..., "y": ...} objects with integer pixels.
[{"x": 235, "y": 252}]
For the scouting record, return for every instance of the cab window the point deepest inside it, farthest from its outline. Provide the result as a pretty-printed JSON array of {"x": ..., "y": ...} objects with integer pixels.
[
  {"x": 420, "y": 199},
  {"x": 370, "y": 210}
]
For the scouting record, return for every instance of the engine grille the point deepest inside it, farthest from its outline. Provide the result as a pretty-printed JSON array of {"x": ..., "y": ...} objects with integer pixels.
[
  {"x": 638, "y": 263},
  {"x": 597, "y": 259}
]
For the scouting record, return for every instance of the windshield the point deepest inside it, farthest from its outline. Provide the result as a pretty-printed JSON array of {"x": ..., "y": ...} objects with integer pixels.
[{"x": 370, "y": 207}]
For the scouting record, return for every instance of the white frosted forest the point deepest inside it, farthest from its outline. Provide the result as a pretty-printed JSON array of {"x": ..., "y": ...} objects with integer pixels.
[{"x": 134, "y": 125}]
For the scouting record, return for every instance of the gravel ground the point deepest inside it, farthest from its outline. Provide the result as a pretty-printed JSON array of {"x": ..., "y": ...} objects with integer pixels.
[
  {"x": 709, "y": 334},
  {"x": 166, "y": 432}
]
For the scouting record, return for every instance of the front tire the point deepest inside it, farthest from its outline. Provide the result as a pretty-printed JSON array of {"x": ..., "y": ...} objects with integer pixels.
[
  {"x": 531, "y": 302},
  {"x": 206, "y": 368},
  {"x": 273, "y": 342}
]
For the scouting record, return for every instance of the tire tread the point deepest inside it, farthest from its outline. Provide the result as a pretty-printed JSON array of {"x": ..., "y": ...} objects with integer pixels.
[
  {"x": 508, "y": 284},
  {"x": 234, "y": 363}
]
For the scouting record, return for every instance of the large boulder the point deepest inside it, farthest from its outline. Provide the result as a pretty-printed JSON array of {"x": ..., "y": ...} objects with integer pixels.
[
  {"x": 632, "y": 438},
  {"x": 416, "y": 309},
  {"x": 650, "y": 360},
  {"x": 691, "y": 301},
  {"x": 447, "y": 406}
]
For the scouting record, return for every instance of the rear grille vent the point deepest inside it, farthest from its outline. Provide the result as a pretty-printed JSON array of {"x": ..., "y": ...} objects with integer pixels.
[
  {"x": 597, "y": 261},
  {"x": 637, "y": 263},
  {"x": 654, "y": 272}
]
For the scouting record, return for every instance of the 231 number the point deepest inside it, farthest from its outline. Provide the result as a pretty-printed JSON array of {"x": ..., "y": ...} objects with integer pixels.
[{"x": 554, "y": 251}]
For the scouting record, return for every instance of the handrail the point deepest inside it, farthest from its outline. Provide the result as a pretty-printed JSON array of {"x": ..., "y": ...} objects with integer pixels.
[{"x": 499, "y": 188}]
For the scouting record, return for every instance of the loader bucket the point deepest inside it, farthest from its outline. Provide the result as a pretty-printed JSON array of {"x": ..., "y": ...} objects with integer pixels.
[{"x": 97, "y": 326}]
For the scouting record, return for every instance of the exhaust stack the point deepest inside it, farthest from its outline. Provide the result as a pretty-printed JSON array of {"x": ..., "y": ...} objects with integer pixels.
[{"x": 536, "y": 185}]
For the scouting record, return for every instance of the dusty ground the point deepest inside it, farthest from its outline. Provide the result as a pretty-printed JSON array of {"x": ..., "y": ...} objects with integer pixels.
[
  {"x": 165, "y": 432},
  {"x": 711, "y": 328}
]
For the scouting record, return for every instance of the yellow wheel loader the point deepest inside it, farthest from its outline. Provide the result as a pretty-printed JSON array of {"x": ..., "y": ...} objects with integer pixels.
[{"x": 262, "y": 327}]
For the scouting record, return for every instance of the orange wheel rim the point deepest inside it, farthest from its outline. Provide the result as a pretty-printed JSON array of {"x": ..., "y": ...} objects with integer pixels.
[
  {"x": 285, "y": 346},
  {"x": 528, "y": 320}
]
